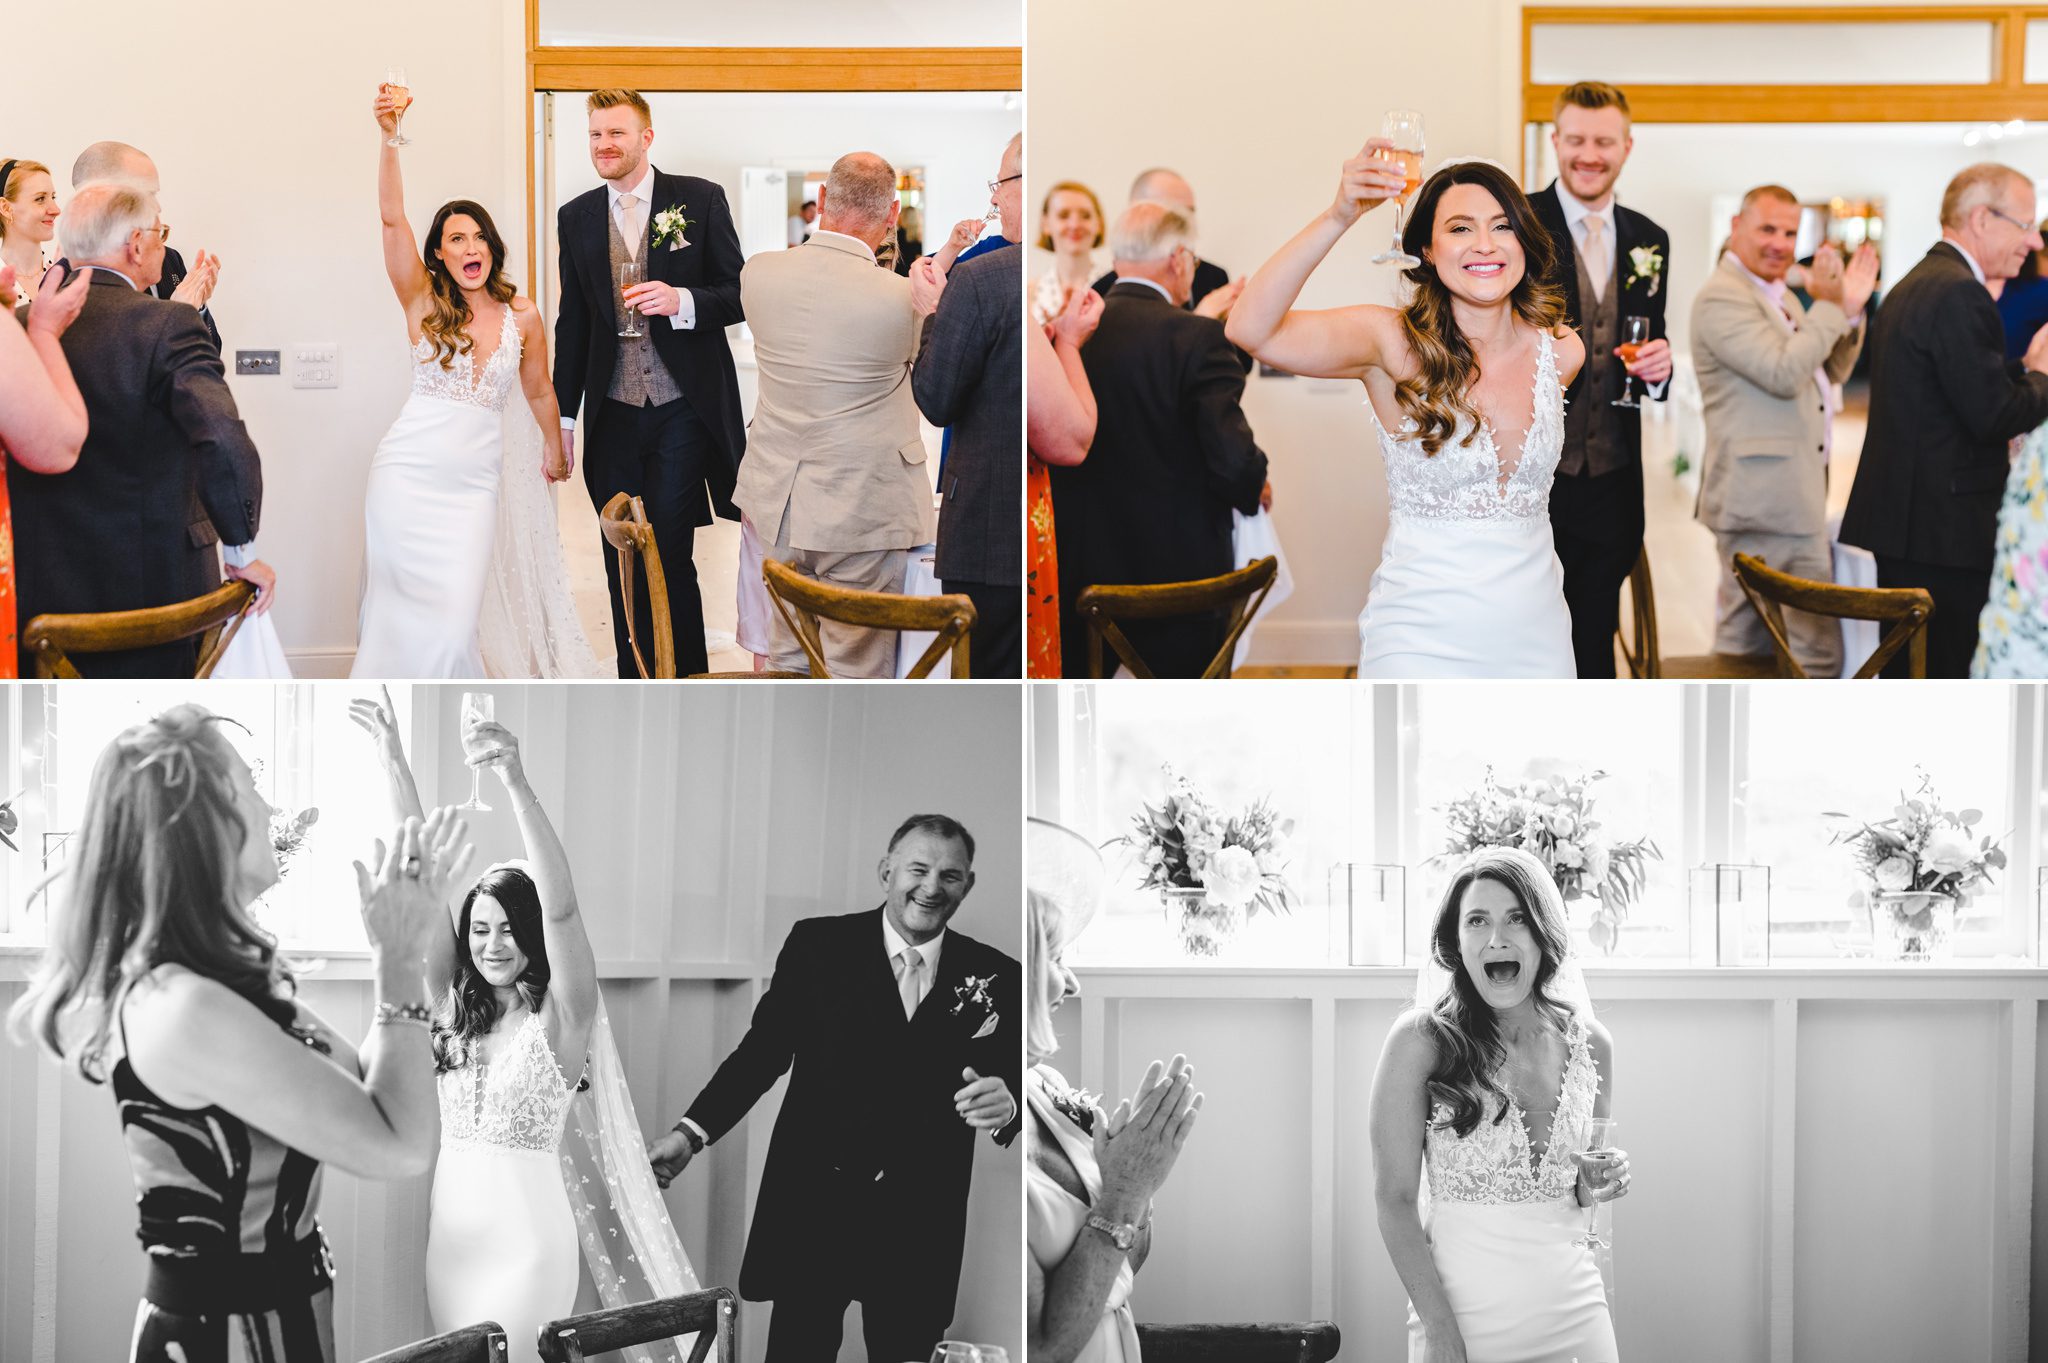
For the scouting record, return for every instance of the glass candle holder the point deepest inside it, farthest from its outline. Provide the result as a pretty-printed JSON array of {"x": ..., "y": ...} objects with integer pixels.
[
  {"x": 1372, "y": 900},
  {"x": 1730, "y": 909}
]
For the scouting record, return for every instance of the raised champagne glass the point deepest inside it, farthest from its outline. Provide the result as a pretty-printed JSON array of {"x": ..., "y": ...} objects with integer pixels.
[
  {"x": 1635, "y": 334},
  {"x": 1599, "y": 1152},
  {"x": 1402, "y": 127},
  {"x": 478, "y": 707},
  {"x": 400, "y": 91},
  {"x": 629, "y": 276},
  {"x": 955, "y": 1351}
]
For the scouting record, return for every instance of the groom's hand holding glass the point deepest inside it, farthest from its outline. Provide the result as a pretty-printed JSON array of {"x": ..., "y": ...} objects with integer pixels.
[{"x": 652, "y": 298}]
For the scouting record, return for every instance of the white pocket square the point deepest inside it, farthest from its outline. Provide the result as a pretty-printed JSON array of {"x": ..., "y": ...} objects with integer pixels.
[{"x": 987, "y": 1028}]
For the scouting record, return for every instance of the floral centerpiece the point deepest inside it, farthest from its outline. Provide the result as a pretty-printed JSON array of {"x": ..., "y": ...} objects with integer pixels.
[
  {"x": 1553, "y": 819},
  {"x": 1921, "y": 866},
  {"x": 1213, "y": 872}
]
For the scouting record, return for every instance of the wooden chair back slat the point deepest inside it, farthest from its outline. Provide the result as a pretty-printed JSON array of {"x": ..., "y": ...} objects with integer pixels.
[
  {"x": 212, "y": 618},
  {"x": 803, "y": 601},
  {"x": 1105, "y": 606},
  {"x": 712, "y": 1316},
  {"x": 483, "y": 1343},
  {"x": 627, "y": 530},
  {"x": 1301, "y": 1342},
  {"x": 1905, "y": 609}
]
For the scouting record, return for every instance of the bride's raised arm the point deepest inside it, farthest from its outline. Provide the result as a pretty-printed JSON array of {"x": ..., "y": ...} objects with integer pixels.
[
  {"x": 572, "y": 988},
  {"x": 1396, "y": 1118},
  {"x": 380, "y": 721},
  {"x": 402, "y": 260},
  {"x": 1334, "y": 343}
]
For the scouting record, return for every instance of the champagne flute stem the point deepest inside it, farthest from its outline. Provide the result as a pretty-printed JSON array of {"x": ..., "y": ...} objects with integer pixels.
[{"x": 476, "y": 786}]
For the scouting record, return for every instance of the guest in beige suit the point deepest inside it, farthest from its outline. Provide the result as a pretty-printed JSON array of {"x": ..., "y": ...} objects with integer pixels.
[
  {"x": 1767, "y": 370},
  {"x": 834, "y": 479}
]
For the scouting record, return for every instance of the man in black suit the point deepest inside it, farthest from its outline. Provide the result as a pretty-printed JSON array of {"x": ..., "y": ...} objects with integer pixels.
[
  {"x": 118, "y": 530},
  {"x": 1173, "y": 455},
  {"x": 661, "y": 411},
  {"x": 1162, "y": 186},
  {"x": 1611, "y": 263},
  {"x": 880, "y": 1018},
  {"x": 1944, "y": 401},
  {"x": 969, "y": 378}
]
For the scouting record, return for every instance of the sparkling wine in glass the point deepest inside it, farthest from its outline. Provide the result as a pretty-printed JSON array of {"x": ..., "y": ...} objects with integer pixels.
[
  {"x": 629, "y": 275},
  {"x": 400, "y": 90},
  {"x": 1635, "y": 334},
  {"x": 1599, "y": 1151},
  {"x": 478, "y": 707},
  {"x": 1402, "y": 127}
]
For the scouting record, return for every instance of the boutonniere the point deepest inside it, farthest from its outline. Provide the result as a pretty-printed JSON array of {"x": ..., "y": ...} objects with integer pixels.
[
  {"x": 971, "y": 1000},
  {"x": 1077, "y": 1106},
  {"x": 669, "y": 226},
  {"x": 1645, "y": 262}
]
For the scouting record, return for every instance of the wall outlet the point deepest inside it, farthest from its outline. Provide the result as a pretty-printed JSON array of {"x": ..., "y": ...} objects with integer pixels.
[
  {"x": 316, "y": 364},
  {"x": 256, "y": 362}
]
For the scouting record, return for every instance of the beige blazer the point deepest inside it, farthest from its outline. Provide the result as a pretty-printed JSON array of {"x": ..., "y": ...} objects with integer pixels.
[
  {"x": 1766, "y": 420},
  {"x": 835, "y": 431}
]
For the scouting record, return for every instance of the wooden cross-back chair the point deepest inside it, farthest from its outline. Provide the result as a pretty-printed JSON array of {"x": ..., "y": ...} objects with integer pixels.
[
  {"x": 712, "y": 1316},
  {"x": 1642, "y": 648},
  {"x": 1303, "y": 1342},
  {"x": 483, "y": 1343},
  {"x": 802, "y": 601},
  {"x": 1905, "y": 609},
  {"x": 212, "y": 618},
  {"x": 1104, "y": 607},
  {"x": 626, "y": 529}
]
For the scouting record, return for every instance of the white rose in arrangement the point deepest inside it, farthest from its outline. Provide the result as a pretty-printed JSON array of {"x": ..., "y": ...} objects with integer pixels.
[
  {"x": 1232, "y": 877},
  {"x": 1596, "y": 863},
  {"x": 1893, "y": 873},
  {"x": 1949, "y": 850},
  {"x": 1154, "y": 854},
  {"x": 1568, "y": 855},
  {"x": 1563, "y": 824}
]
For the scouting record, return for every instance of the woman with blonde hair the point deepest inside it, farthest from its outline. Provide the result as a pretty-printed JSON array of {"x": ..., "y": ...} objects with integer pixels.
[
  {"x": 1466, "y": 387},
  {"x": 28, "y": 221},
  {"x": 231, "y": 1093},
  {"x": 1071, "y": 226},
  {"x": 1089, "y": 1178}
]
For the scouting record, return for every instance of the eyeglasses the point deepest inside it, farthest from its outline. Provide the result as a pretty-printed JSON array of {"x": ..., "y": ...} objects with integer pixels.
[
  {"x": 162, "y": 232},
  {"x": 994, "y": 185},
  {"x": 2007, "y": 217}
]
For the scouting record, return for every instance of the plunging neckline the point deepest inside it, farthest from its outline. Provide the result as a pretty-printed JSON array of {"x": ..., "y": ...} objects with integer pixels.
[
  {"x": 1538, "y": 1162},
  {"x": 1504, "y": 476},
  {"x": 479, "y": 369}
]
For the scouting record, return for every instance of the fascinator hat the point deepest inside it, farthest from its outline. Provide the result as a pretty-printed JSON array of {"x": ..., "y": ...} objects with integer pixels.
[{"x": 1064, "y": 876}]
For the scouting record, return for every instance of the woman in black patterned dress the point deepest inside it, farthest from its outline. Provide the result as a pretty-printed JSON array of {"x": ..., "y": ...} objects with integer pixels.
[{"x": 231, "y": 1093}]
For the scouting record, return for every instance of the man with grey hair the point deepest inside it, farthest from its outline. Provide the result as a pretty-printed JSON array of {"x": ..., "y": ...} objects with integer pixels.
[
  {"x": 119, "y": 161},
  {"x": 1943, "y": 403},
  {"x": 834, "y": 481},
  {"x": 1211, "y": 293},
  {"x": 1173, "y": 455},
  {"x": 164, "y": 446}
]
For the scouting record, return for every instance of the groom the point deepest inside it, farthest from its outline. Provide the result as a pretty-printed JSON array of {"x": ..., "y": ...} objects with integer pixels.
[
  {"x": 662, "y": 410},
  {"x": 900, "y": 1037}
]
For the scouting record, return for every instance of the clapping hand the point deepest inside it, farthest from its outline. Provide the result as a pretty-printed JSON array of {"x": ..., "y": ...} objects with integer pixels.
[
  {"x": 58, "y": 302},
  {"x": 1136, "y": 1146},
  {"x": 1367, "y": 182},
  {"x": 985, "y": 1104},
  {"x": 1078, "y": 319},
  {"x": 1218, "y": 301},
  {"x": 380, "y": 722},
  {"x": 444, "y": 841},
  {"x": 927, "y": 283},
  {"x": 197, "y": 287}
]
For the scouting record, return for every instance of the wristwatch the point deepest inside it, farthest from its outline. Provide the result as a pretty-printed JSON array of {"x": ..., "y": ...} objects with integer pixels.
[
  {"x": 1122, "y": 1234},
  {"x": 690, "y": 1137}
]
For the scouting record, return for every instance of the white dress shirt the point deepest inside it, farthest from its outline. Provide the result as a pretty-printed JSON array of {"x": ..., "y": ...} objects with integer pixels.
[
  {"x": 1575, "y": 215},
  {"x": 1148, "y": 283},
  {"x": 1968, "y": 259},
  {"x": 866, "y": 249},
  {"x": 633, "y": 227}
]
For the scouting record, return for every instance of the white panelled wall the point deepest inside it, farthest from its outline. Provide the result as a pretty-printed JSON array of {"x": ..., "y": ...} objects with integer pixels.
[
  {"x": 701, "y": 823},
  {"x": 1831, "y": 1165}
]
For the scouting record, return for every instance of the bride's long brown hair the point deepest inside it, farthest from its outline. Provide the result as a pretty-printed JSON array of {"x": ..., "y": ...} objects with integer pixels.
[
  {"x": 1439, "y": 396},
  {"x": 447, "y": 321}
]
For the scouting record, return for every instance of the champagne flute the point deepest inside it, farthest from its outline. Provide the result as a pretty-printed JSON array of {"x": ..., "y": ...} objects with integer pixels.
[
  {"x": 1599, "y": 1151},
  {"x": 401, "y": 100},
  {"x": 478, "y": 707},
  {"x": 1402, "y": 127},
  {"x": 1635, "y": 334},
  {"x": 954, "y": 1351},
  {"x": 629, "y": 275}
]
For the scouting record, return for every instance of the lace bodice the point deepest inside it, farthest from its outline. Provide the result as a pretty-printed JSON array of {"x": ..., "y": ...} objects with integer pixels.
[
  {"x": 459, "y": 382},
  {"x": 1462, "y": 481},
  {"x": 1494, "y": 1165},
  {"x": 518, "y": 1102}
]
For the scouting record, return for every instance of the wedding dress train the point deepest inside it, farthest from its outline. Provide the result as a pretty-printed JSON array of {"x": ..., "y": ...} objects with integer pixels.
[
  {"x": 1468, "y": 583},
  {"x": 1501, "y": 1219}
]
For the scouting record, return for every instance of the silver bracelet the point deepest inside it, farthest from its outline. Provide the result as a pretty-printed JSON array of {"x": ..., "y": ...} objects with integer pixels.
[{"x": 411, "y": 1014}]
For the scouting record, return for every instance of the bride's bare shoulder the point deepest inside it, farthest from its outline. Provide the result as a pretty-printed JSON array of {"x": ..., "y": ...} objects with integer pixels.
[{"x": 1570, "y": 352}]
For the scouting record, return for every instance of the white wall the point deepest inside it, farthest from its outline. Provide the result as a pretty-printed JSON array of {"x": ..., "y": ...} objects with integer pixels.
[
  {"x": 701, "y": 823},
  {"x": 276, "y": 174}
]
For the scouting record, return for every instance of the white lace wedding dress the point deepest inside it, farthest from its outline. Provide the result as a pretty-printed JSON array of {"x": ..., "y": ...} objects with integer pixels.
[
  {"x": 1501, "y": 1217},
  {"x": 501, "y": 1238},
  {"x": 462, "y": 565},
  {"x": 1468, "y": 583}
]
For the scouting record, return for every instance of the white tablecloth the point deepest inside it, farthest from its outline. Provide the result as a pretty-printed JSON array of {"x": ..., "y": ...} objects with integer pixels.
[
  {"x": 1253, "y": 537},
  {"x": 920, "y": 580},
  {"x": 1854, "y": 568}
]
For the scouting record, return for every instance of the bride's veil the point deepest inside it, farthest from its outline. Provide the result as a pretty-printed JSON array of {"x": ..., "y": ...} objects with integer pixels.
[
  {"x": 628, "y": 1243},
  {"x": 528, "y": 626}
]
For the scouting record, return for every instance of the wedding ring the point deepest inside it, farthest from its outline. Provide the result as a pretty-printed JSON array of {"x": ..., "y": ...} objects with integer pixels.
[{"x": 412, "y": 867}]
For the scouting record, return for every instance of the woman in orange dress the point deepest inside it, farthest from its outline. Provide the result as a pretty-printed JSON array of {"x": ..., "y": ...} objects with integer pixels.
[
  {"x": 1060, "y": 419},
  {"x": 42, "y": 415}
]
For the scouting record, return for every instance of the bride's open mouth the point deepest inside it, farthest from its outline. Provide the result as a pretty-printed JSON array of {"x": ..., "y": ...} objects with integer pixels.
[
  {"x": 473, "y": 270},
  {"x": 1503, "y": 972}
]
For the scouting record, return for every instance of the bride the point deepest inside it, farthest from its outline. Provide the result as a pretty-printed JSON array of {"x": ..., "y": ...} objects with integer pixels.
[
  {"x": 1466, "y": 386},
  {"x": 462, "y": 581},
  {"x": 1489, "y": 1086},
  {"x": 537, "y": 1156}
]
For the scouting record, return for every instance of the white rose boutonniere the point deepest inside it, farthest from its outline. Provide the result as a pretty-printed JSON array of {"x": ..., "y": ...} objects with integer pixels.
[
  {"x": 669, "y": 226},
  {"x": 973, "y": 1003},
  {"x": 1646, "y": 262}
]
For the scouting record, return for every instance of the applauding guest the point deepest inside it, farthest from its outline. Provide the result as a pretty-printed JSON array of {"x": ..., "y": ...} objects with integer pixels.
[
  {"x": 28, "y": 222},
  {"x": 1943, "y": 403},
  {"x": 1767, "y": 370},
  {"x": 42, "y": 417},
  {"x": 118, "y": 161},
  {"x": 117, "y": 532},
  {"x": 1059, "y": 426}
]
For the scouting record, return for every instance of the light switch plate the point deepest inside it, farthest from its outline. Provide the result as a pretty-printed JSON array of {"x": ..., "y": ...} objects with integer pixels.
[
  {"x": 316, "y": 364},
  {"x": 256, "y": 362}
]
